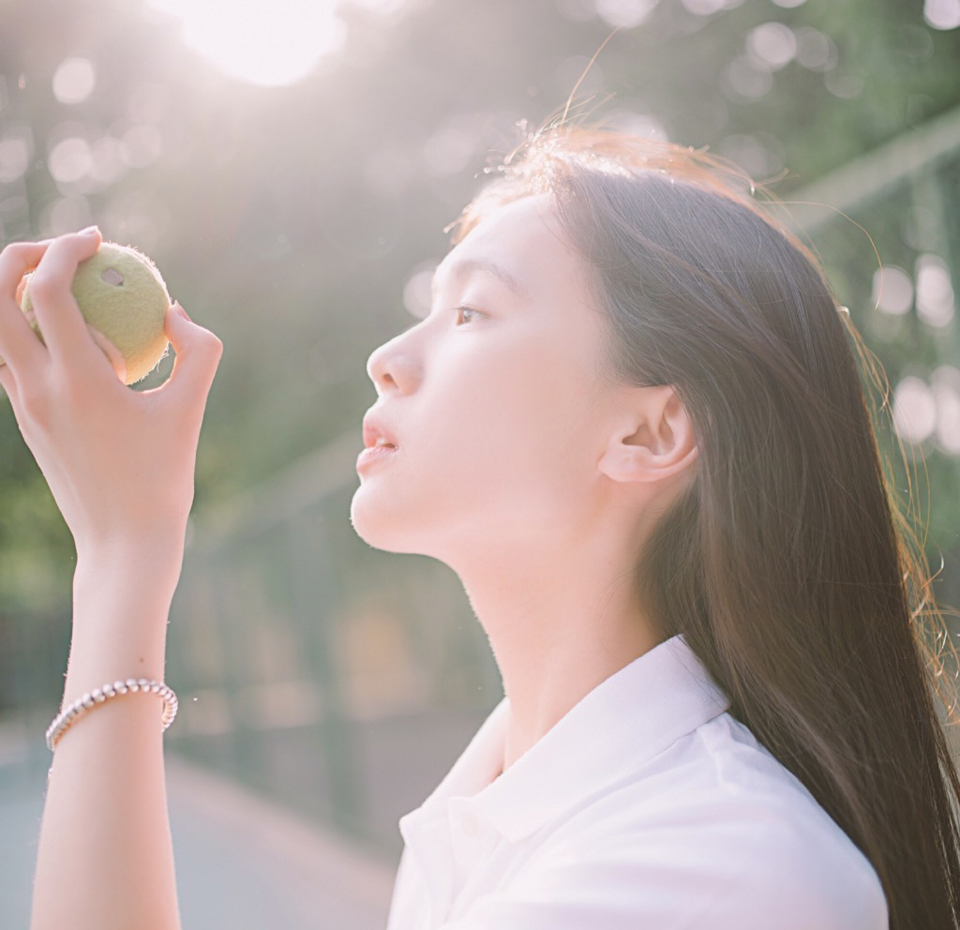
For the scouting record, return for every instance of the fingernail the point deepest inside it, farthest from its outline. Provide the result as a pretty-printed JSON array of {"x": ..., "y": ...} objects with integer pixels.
[
  {"x": 181, "y": 311},
  {"x": 89, "y": 231}
]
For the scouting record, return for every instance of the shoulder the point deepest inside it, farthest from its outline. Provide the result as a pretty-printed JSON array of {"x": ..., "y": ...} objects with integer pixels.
[{"x": 714, "y": 830}]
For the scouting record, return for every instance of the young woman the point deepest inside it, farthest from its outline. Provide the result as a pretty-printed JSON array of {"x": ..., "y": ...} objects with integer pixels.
[{"x": 632, "y": 423}]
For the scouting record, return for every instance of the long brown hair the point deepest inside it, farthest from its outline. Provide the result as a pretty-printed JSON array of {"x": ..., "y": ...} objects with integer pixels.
[{"x": 787, "y": 565}]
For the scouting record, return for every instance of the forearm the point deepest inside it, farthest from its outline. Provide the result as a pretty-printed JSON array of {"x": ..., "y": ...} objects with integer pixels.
[
  {"x": 105, "y": 859},
  {"x": 120, "y": 465}
]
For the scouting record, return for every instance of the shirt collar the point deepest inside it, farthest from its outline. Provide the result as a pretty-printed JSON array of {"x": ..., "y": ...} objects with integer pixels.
[{"x": 606, "y": 737}]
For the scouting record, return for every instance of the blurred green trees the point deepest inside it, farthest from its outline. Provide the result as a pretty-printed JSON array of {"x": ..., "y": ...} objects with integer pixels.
[{"x": 289, "y": 219}]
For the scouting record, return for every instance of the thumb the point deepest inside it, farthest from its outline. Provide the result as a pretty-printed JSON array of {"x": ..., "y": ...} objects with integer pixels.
[{"x": 198, "y": 353}]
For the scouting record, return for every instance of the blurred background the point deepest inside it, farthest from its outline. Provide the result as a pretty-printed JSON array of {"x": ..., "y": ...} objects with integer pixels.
[{"x": 290, "y": 166}]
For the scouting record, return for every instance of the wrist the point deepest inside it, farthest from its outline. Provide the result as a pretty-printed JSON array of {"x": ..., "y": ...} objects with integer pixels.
[
  {"x": 150, "y": 563},
  {"x": 122, "y": 592}
]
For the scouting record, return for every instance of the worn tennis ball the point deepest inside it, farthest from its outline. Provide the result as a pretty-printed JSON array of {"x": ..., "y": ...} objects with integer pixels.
[{"x": 124, "y": 301}]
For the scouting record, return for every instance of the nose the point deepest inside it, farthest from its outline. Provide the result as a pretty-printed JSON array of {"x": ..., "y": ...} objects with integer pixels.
[{"x": 393, "y": 367}]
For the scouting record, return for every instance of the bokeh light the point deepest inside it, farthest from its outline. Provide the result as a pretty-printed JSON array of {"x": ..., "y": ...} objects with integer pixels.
[
  {"x": 70, "y": 160},
  {"x": 922, "y": 411},
  {"x": 761, "y": 155},
  {"x": 141, "y": 146},
  {"x": 892, "y": 290},
  {"x": 747, "y": 80},
  {"x": 815, "y": 51},
  {"x": 265, "y": 42},
  {"x": 16, "y": 149},
  {"x": 945, "y": 383},
  {"x": 844, "y": 86},
  {"x": 709, "y": 7},
  {"x": 914, "y": 410},
  {"x": 639, "y": 124},
  {"x": 450, "y": 148},
  {"x": 942, "y": 14},
  {"x": 934, "y": 291},
  {"x": 771, "y": 45},
  {"x": 626, "y": 14},
  {"x": 67, "y": 214},
  {"x": 418, "y": 291},
  {"x": 74, "y": 80}
]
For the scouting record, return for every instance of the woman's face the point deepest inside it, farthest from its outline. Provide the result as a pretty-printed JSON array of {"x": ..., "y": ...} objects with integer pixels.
[{"x": 496, "y": 410}]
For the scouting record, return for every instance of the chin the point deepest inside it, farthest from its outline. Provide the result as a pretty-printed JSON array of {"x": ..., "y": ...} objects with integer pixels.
[{"x": 382, "y": 527}]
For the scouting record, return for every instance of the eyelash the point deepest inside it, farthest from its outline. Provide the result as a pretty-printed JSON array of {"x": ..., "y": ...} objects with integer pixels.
[{"x": 461, "y": 310}]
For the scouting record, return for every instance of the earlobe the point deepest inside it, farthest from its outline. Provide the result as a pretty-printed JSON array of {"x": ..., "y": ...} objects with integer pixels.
[{"x": 657, "y": 443}]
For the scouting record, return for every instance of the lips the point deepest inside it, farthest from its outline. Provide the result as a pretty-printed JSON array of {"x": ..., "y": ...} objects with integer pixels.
[{"x": 375, "y": 434}]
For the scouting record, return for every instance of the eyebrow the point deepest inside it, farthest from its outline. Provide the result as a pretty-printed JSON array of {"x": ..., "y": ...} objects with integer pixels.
[{"x": 476, "y": 265}]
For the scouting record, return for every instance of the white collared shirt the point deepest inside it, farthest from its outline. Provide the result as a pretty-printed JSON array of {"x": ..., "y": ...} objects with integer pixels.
[{"x": 646, "y": 807}]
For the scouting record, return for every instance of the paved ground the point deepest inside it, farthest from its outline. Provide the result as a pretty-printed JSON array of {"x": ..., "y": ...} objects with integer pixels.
[{"x": 241, "y": 862}]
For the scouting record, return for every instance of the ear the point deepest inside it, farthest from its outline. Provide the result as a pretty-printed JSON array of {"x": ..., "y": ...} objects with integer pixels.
[{"x": 656, "y": 440}]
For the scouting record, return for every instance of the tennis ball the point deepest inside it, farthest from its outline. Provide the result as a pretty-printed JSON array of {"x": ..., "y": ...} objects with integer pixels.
[{"x": 124, "y": 300}]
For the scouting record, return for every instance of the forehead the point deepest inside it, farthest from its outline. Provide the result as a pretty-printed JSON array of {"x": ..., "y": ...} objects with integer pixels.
[{"x": 520, "y": 243}]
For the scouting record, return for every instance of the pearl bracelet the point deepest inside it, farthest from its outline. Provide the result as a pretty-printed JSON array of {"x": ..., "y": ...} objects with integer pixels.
[{"x": 91, "y": 699}]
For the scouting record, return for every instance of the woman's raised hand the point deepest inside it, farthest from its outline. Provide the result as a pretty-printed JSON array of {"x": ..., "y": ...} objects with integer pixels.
[{"x": 120, "y": 463}]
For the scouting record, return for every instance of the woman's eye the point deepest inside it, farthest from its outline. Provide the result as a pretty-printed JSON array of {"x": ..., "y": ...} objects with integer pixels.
[{"x": 466, "y": 315}]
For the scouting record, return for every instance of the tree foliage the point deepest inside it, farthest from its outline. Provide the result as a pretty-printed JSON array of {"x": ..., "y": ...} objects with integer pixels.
[{"x": 289, "y": 219}]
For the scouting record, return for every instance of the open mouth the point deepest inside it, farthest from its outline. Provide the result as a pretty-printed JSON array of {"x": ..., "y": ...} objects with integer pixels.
[{"x": 378, "y": 452}]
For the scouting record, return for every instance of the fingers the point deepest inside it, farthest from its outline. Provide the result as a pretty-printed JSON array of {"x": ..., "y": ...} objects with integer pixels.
[
  {"x": 19, "y": 345},
  {"x": 21, "y": 287},
  {"x": 198, "y": 354},
  {"x": 64, "y": 329},
  {"x": 54, "y": 264},
  {"x": 6, "y": 379},
  {"x": 19, "y": 259}
]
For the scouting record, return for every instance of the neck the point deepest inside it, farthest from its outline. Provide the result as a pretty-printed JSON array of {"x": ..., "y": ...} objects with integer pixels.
[{"x": 558, "y": 629}]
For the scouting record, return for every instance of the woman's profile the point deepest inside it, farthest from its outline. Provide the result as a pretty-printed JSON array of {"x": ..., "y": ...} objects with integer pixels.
[{"x": 635, "y": 424}]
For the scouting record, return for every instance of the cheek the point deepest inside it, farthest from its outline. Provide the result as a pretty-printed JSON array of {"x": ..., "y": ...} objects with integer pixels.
[{"x": 512, "y": 427}]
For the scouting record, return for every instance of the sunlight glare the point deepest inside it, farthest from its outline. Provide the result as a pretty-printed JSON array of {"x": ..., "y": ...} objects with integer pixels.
[{"x": 266, "y": 42}]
